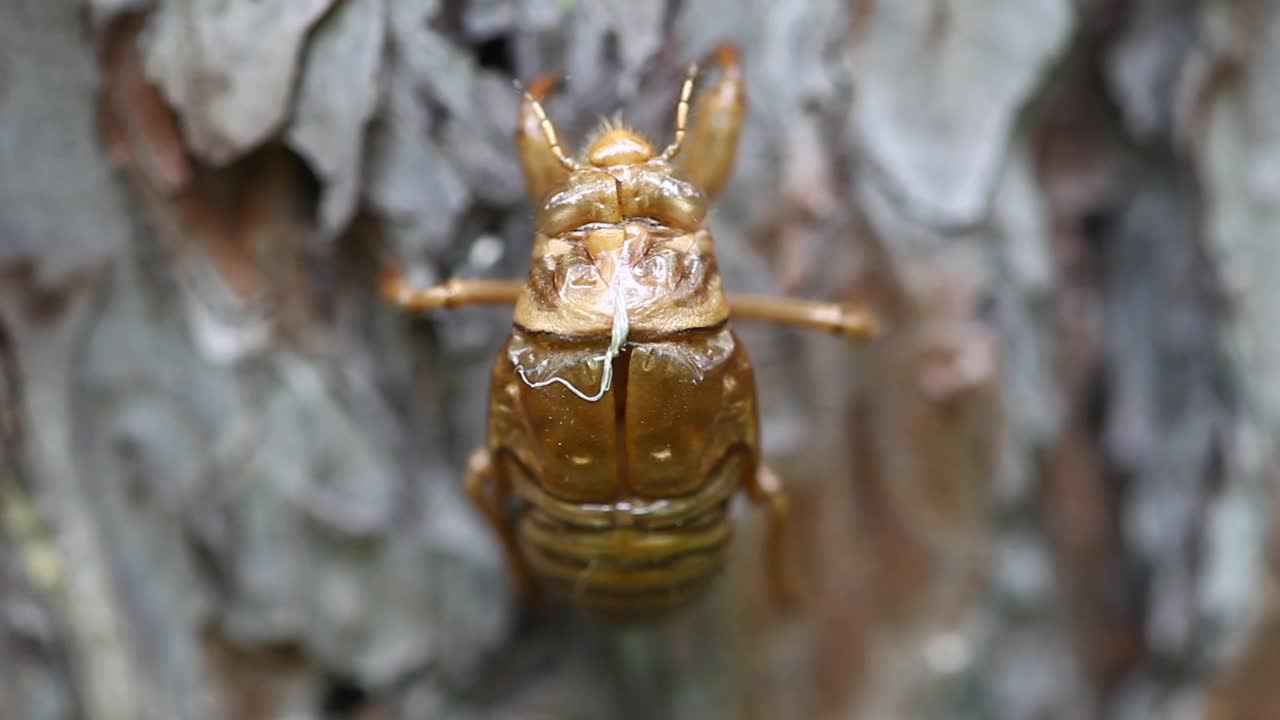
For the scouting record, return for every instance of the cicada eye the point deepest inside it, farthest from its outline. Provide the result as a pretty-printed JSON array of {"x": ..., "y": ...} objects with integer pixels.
[
  {"x": 657, "y": 194},
  {"x": 589, "y": 197}
]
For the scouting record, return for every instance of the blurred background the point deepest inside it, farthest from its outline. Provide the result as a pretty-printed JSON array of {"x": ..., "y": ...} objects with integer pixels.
[{"x": 230, "y": 480}]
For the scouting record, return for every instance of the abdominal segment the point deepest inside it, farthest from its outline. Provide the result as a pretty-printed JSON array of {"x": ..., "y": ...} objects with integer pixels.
[{"x": 626, "y": 573}]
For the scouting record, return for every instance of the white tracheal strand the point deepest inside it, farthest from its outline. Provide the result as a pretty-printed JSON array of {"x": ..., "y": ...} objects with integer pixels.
[{"x": 618, "y": 332}]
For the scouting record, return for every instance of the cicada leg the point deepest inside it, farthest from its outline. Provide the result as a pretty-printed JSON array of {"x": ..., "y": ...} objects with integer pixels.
[
  {"x": 764, "y": 488},
  {"x": 450, "y": 293},
  {"x": 540, "y": 152},
  {"x": 488, "y": 493},
  {"x": 849, "y": 320},
  {"x": 706, "y": 158},
  {"x": 852, "y": 321}
]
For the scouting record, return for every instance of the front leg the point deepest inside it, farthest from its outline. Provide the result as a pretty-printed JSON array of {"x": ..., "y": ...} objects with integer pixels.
[
  {"x": 539, "y": 149},
  {"x": 707, "y": 157}
]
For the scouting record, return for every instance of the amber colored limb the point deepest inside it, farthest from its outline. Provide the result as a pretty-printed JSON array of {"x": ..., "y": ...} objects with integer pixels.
[
  {"x": 488, "y": 493},
  {"x": 765, "y": 489},
  {"x": 542, "y": 168},
  {"x": 851, "y": 321},
  {"x": 450, "y": 293},
  {"x": 708, "y": 153}
]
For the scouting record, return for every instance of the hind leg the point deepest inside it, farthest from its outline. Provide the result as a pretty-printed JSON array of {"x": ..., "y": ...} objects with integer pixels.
[
  {"x": 488, "y": 493},
  {"x": 764, "y": 488}
]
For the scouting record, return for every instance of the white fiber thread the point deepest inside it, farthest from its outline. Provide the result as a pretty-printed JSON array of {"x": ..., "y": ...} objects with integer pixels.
[{"x": 617, "y": 338}]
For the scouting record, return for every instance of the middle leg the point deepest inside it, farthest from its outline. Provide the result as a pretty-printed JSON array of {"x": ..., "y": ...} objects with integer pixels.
[
  {"x": 851, "y": 321},
  {"x": 451, "y": 293}
]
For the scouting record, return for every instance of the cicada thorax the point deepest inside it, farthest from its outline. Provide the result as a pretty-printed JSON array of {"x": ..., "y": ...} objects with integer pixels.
[
  {"x": 623, "y": 412},
  {"x": 657, "y": 279}
]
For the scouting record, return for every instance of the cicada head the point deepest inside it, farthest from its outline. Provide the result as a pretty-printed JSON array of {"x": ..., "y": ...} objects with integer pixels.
[{"x": 615, "y": 145}]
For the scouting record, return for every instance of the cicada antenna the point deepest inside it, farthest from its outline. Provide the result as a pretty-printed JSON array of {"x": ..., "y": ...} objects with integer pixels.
[
  {"x": 548, "y": 130},
  {"x": 682, "y": 114}
]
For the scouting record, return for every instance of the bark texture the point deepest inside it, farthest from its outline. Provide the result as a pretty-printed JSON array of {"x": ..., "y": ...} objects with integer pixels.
[{"x": 230, "y": 476}]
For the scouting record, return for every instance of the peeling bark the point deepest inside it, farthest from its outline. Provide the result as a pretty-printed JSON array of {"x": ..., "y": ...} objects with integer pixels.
[{"x": 231, "y": 476}]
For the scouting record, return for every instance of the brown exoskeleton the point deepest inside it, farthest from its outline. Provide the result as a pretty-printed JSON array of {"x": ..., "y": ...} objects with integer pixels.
[{"x": 622, "y": 411}]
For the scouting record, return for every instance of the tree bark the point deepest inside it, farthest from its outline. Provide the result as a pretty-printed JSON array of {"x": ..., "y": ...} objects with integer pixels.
[{"x": 231, "y": 477}]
